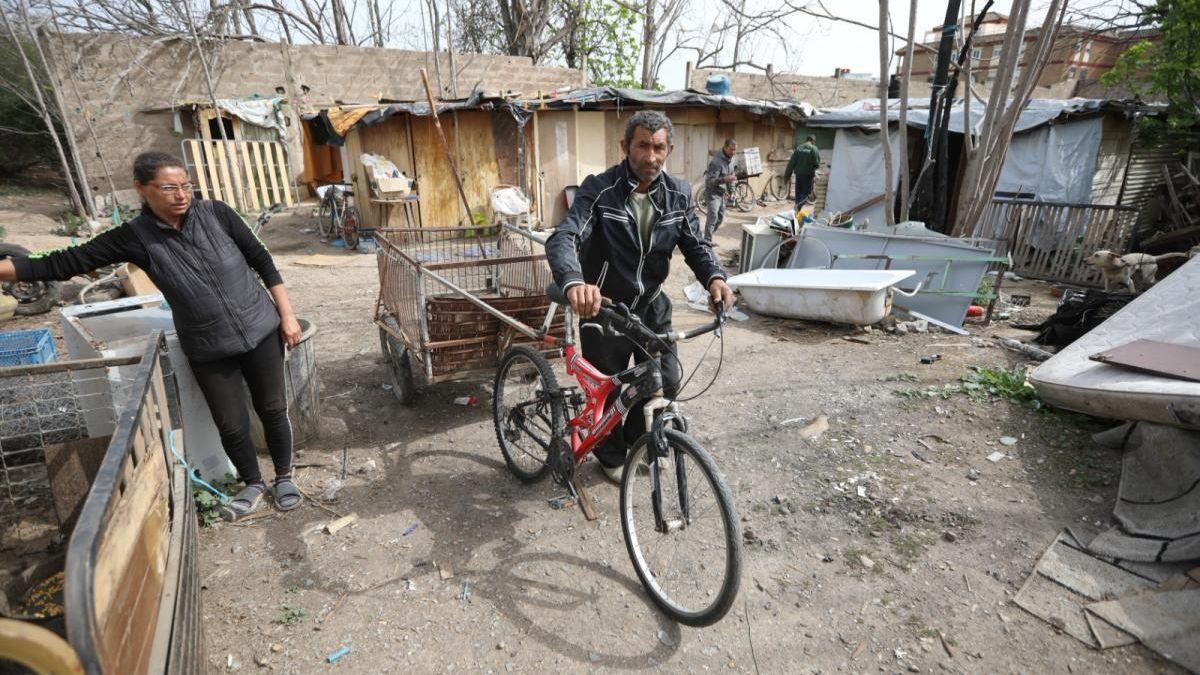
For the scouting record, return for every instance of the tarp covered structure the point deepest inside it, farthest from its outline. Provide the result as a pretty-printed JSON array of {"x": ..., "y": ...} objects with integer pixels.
[{"x": 1052, "y": 156}]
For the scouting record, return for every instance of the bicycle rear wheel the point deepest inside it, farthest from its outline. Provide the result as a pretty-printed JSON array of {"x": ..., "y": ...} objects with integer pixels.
[
  {"x": 527, "y": 412},
  {"x": 701, "y": 200},
  {"x": 692, "y": 565},
  {"x": 744, "y": 200},
  {"x": 351, "y": 223}
]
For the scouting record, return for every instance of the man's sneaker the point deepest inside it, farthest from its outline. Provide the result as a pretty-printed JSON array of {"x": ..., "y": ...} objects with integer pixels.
[
  {"x": 617, "y": 473},
  {"x": 613, "y": 473}
]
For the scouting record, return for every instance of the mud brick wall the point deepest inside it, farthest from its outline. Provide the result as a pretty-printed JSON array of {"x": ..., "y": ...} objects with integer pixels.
[
  {"x": 821, "y": 92},
  {"x": 127, "y": 85}
]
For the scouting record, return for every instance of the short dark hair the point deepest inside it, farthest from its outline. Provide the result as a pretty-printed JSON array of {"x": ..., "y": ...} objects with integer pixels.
[
  {"x": 147, "y": 164},
  {"x": 810, "y": 139},
  {"x": 729, "y": 142},
  {"x": 650, "y": 120}
]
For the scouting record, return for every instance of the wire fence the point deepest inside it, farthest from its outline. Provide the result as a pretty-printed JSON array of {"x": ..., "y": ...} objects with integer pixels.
[{"x": 43, "y": 407}]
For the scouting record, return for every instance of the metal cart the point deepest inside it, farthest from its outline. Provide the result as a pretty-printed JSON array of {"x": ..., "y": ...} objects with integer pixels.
[{"x": 452, "y": 300}]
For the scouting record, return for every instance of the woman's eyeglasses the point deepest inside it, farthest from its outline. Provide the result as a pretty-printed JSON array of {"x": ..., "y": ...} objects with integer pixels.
[{"x": 174, "y": 189}]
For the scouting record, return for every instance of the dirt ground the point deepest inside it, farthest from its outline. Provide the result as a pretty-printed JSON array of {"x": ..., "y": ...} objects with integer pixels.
[{"x": 914, "y": 573}]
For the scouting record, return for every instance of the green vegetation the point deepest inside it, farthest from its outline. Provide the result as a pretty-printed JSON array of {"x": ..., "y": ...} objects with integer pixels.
[
  {"x": 208, "y": 505},
  {"x": 1167, "y": 66},
  {"x": 72, "y": 226},
  {"x": 291, "y": 615},
  {"x": 1001, "y": 383},
  {"x": 982, "y": 383},
  {"x": 983, "y": 294}
]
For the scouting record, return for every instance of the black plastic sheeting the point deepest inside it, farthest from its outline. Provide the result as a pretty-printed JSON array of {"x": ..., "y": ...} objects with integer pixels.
[{"x": 522, "y": 109}]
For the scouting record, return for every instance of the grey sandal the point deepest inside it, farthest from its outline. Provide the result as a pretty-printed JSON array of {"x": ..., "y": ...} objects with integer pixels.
[
  {"x": 244, "y": 503},
  {"x": 287, "y": 495}
]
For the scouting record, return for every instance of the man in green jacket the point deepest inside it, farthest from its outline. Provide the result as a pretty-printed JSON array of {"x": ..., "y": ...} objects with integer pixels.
[{"x": 804, "y": 162}]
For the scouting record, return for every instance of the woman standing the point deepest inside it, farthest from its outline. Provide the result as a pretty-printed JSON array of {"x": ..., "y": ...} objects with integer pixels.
[{"x": 208, "y": 265}]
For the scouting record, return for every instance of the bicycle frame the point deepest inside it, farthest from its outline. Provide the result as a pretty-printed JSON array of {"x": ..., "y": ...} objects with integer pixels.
[{"x": 597, "y": 418}]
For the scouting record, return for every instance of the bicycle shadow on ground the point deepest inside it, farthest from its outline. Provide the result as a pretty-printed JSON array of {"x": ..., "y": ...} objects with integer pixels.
[
  {"x": 469, "y": 514},
  {"x": 516, "y": 592}
]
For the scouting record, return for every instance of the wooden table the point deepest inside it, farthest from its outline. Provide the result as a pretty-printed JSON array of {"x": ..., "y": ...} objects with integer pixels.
[{"x": 409, "y": 203}]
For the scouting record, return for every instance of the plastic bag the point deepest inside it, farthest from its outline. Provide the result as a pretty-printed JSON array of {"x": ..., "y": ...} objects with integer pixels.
[{"x": 509, "y": 201}]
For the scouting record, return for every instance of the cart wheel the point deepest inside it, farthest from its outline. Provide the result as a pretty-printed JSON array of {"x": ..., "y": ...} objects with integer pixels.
[{"x": 399, "y": 364}]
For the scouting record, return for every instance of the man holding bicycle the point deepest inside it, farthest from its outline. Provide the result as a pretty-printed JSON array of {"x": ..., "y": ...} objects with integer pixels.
[
  {"x": 717, "y": 179},
  {"x": 616, "y": 242}
]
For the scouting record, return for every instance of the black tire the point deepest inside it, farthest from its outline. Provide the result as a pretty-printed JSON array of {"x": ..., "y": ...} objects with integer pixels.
[
  {"x": 399, "y": 364},
  {"x": 682, "y": 451},
  {"x": 701, "y": 199},
  {"x": 782, "y": 189},
  {"x": 33, "y": 297},
  {"x": 326, "y": 223},
  {"x": 526, "y": 449},
  {"x": 743, "y": 198},
  {"x": 351, "y": 222}
]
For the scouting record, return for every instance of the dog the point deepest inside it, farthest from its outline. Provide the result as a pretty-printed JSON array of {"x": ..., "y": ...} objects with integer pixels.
[{"x": 1125, "y": 270}]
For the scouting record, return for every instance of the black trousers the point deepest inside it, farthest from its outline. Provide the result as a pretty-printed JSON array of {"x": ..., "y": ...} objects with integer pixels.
[
  {"x": 262, "y": 371},
  {"x": 612, "y": 354}
]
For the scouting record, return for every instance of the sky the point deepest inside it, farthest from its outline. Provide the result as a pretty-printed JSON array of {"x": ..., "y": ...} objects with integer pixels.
[{"x": 817, "y": 46}]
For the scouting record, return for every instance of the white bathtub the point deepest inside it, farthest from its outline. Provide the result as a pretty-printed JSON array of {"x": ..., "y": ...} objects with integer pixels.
[{"x": 858, "y": 297}]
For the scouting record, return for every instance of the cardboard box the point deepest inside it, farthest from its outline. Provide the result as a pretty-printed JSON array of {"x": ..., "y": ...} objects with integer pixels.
[{"x": 394, "y": 186}]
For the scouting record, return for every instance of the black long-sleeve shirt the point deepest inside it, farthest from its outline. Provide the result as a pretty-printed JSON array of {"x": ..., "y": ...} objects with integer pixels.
[{"x": 208, "y": 270}]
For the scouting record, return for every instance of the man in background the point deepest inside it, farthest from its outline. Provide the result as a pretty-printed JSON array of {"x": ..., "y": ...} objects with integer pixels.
[
  {"x": 717, "y": 177},
  {"x": 804, "y": 163}
]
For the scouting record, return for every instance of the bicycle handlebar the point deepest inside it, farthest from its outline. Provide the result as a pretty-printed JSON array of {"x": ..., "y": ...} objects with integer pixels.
[{"x": 625, "y": 321}]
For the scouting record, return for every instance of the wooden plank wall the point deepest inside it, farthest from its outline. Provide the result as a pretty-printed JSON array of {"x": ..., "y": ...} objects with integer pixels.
[
  {"x": 556, "y": 130},
  {"x": 247, "y": 175}
]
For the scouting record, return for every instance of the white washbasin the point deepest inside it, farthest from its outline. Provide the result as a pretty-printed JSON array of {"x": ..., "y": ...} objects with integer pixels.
[{"x": 858, "y": 297}]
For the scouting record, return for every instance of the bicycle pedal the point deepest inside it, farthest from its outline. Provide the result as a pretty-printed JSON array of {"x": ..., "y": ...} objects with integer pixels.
[{"x": 585, "y": 500}]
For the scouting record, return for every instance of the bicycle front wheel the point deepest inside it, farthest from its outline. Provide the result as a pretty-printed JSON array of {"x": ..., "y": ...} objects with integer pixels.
[
  {"x": 681, "y": 530},
  {"x": 327, "y": 220},
  {"x": 701, "y": 200}
]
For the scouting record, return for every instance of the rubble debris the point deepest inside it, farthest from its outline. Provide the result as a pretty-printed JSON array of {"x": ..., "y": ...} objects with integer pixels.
[
  {"x": 815, "y": 428},
  {"x": 338, "y": 655}
]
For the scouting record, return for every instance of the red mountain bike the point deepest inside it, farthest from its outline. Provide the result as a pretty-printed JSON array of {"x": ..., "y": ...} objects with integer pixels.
[{"x": 681, "y": 529}]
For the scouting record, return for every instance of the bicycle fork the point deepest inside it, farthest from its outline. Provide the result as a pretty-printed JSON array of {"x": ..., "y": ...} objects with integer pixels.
[{"x": 659, "y": 449}]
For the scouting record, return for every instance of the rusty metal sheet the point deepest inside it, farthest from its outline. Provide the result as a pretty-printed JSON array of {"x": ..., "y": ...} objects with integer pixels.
[{"x": 1181, "y": 362}]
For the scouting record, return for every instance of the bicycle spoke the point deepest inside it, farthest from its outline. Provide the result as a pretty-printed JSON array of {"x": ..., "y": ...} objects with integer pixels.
[{"x": 688, "y": 565}]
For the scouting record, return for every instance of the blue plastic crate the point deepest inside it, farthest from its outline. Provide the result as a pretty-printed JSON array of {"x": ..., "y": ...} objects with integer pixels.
[{"x": 23, "y": 347}]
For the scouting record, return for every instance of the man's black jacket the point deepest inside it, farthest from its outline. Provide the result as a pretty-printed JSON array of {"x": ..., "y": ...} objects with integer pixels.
[
  {"x": 598, "y": 243},
  {"x": 208, "y": 270}
]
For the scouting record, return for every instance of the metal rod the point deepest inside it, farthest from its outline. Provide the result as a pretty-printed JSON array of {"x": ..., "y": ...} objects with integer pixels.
[
  {"x": 484, "y": 306},
  {"x": 63, "y": 366}
]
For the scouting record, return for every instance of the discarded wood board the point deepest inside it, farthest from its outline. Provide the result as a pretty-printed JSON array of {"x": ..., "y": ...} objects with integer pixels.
[
  {"x": 72, "y": 467},
  {"x": 341, "y": 523},
  {"x": 135, "y": 281}
]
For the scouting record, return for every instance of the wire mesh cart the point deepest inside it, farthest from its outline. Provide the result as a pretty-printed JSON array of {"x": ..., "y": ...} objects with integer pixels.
[{"x": 453, "y": 299}]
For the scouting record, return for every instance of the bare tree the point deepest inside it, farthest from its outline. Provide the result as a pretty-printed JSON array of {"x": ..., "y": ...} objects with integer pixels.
[
  {"x": 659, "y": 37},
  {"x": 728, "y": 42},
  {"x": 1008, "y": 97},
  {"x": 38, "y": 103},
  {"x": 884, "y": 135}
]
